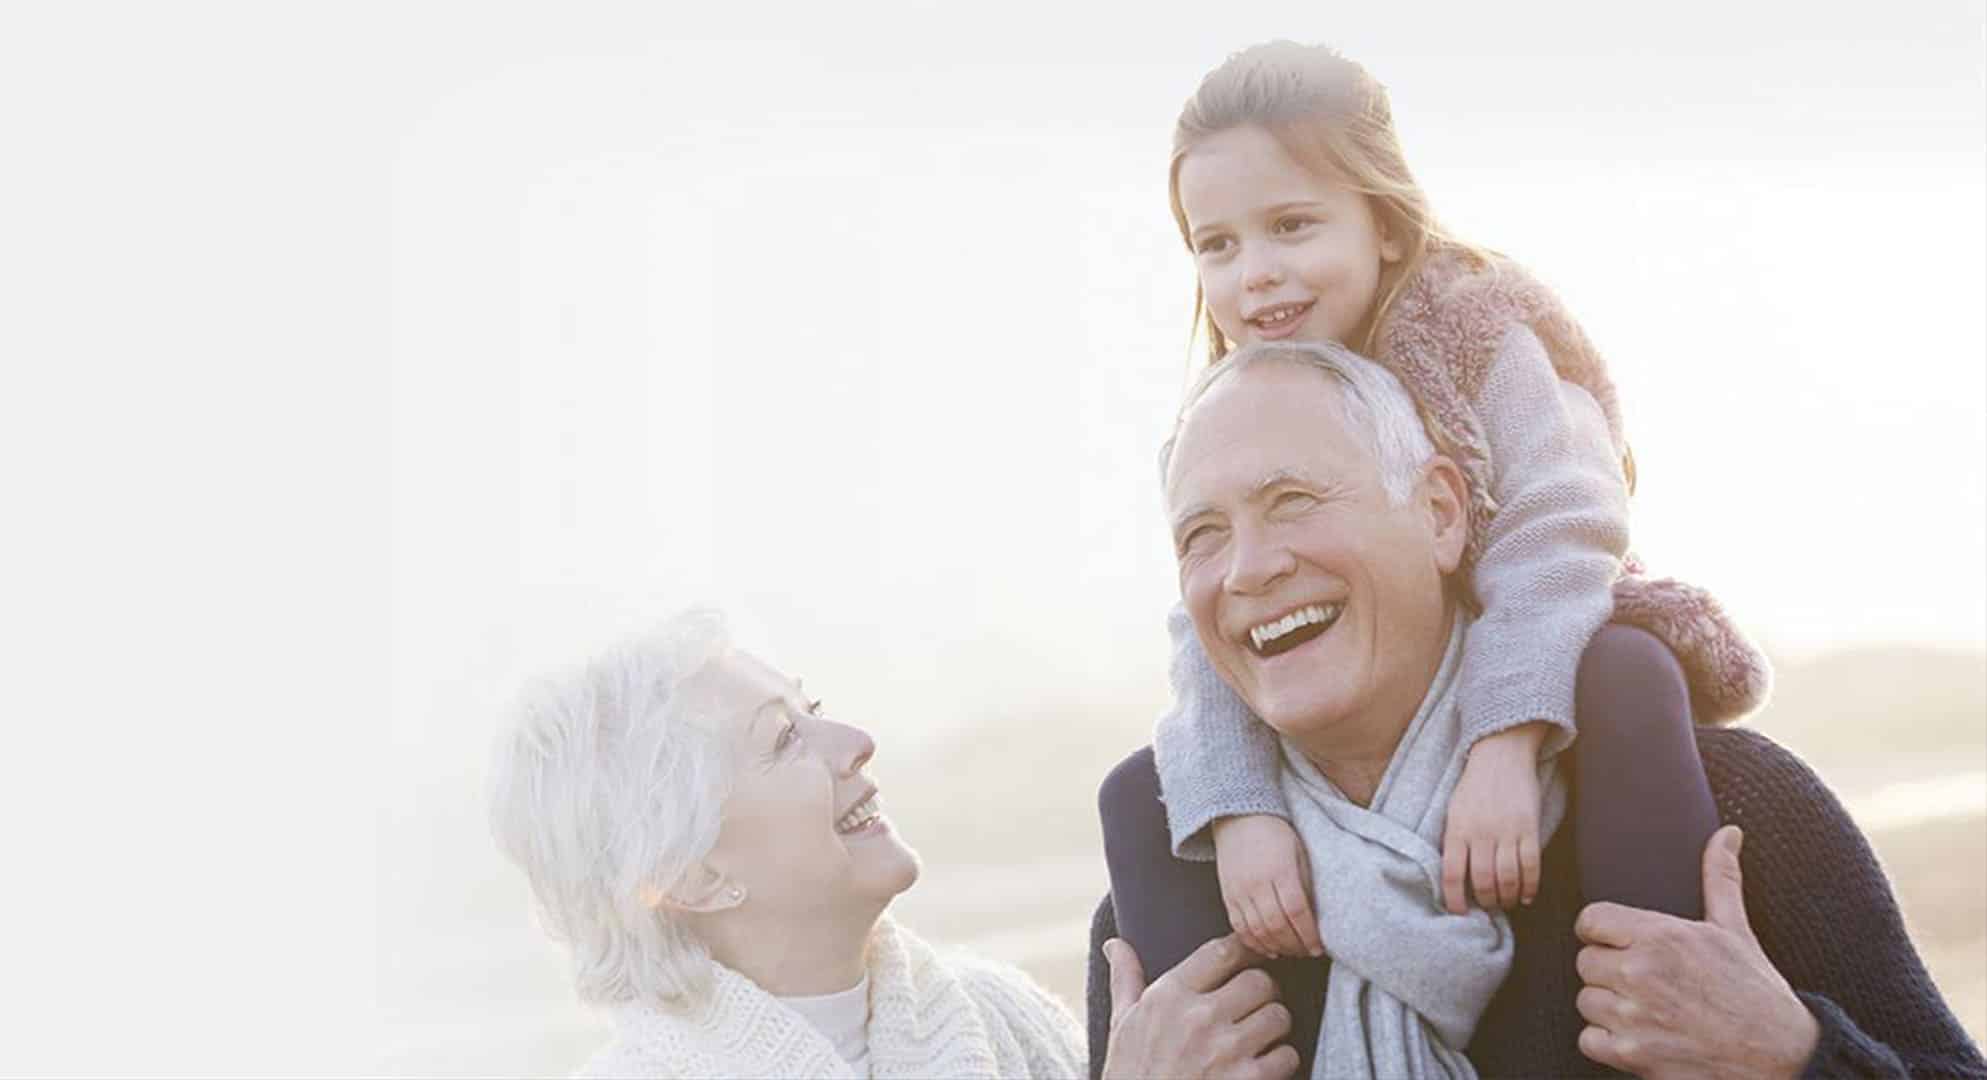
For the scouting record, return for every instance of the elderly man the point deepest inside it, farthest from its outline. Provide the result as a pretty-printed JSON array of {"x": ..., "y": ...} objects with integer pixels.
[{"x": 1801, "y": 964}]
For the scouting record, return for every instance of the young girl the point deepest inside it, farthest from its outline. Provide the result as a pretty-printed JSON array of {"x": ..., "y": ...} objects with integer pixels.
[{"x": 1289, "y": 187}]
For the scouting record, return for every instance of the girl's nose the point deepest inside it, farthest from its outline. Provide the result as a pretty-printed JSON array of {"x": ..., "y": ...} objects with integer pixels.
[{"x": 1261, "y": 274}]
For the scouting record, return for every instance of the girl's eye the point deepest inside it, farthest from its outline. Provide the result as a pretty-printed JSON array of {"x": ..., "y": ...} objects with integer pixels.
[
  {"x": 1291, "y": 224},
  {"x": 1212, "y": 245}
]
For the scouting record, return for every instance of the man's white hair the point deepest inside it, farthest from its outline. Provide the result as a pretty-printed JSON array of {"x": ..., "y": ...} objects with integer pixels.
[
  {"x": 607, "y": 787},
  {"x": 1372, "y": 402}
]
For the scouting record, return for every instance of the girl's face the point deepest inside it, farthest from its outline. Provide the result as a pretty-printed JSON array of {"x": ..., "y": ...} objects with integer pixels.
[
  {"x": 802, "y": 834},
  {"x": 1283, "y": 252}
]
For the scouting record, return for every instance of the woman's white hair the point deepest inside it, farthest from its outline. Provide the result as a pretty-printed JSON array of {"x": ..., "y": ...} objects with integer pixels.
[
  {"x": 1374, "y": 404},
  {"x": 608, "y": 786}
]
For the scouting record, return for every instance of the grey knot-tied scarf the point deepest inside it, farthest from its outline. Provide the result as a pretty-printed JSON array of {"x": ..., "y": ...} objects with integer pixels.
[{"x": 1408, "y": 980}]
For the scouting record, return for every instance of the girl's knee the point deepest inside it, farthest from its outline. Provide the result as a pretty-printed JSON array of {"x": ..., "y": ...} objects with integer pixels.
[
  {"x": 1629, "y": 654},
  {"x": 1130, "y": 792}
]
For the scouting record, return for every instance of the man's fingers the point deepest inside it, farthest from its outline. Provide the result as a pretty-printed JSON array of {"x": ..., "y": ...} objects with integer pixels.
[
  {"x": 1212, "y": 964},
  {"x": 1510, "y": 881},
  {"x": 1279, "y": 1064},
  {"x": 1528, "y": 865},
  {"x": 1264, "y": 1027},
  {"x": 1127, "y": 978},
  {"x": 1245, "y": 993},
  {"x": 1297, "y": 906},
  {"x": 1602, "y": 1007},
  {"x": 1455, "y": 865},
  {"x": 1600, "y": 966},
  {"x": 1599, "y": 1045},
  {"x": 1724, "y": 885},
  {"x": 1610, "y": 924}
]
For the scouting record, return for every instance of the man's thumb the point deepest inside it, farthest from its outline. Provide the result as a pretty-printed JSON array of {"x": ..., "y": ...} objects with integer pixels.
[
  {"x": 1724, "y": 886},
  {"x": 1127, "y": 978}
]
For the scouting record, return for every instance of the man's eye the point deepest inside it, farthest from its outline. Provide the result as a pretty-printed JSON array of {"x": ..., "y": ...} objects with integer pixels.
[
  {"x": 787, "y": 735},
  {"x": 1295, "y": 501}
]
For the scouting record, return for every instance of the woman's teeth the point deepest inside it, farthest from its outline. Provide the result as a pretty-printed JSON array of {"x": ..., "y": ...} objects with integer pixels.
[
  {"x": 1281, "y": 635},
  {"x": 859, "y": 815}
]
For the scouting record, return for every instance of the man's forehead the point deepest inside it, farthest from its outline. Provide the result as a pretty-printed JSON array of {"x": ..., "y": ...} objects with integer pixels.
[{"x": 1253, "y": 427}]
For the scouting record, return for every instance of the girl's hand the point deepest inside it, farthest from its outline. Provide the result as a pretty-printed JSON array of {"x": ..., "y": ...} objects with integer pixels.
[
  {"x": 1266, "y": 883},
  {"x": 1491, "y": 839}
]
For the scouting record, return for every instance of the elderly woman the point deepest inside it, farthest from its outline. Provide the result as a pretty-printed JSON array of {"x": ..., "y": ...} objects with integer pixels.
[{"x": 706, "y": 843}]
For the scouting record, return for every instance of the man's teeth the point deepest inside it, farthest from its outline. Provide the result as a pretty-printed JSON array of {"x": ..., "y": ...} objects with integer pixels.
[
  {"x": 859, "y": 815},
  {"x": 1304, "y": 616}
]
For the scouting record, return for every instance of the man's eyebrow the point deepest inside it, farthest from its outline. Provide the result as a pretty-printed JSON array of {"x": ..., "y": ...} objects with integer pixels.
[
  {"x": 1280, "y": 477},
  {"x": 1274, "y": 479}
]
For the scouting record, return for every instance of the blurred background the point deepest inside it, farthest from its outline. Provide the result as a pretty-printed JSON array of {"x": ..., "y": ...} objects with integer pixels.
[{"x": 390, "y": 355}]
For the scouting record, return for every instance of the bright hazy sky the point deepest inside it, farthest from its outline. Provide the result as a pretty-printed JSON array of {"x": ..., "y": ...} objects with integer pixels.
[{"x": 368, "y": 357}]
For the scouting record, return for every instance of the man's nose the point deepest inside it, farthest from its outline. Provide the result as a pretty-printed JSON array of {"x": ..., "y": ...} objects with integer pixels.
[{"x": 1256, "y": 562}]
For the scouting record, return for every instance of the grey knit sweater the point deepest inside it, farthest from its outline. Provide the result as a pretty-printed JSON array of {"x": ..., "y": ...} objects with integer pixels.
[{"x": 1545, "y": 579}]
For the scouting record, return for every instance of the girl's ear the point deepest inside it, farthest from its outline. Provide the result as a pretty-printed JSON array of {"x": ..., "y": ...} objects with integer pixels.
[
  {"x": 1446, "y": 496},
  {"x": 1390, "y": 242},
  {"x": 702, "y": 891}
]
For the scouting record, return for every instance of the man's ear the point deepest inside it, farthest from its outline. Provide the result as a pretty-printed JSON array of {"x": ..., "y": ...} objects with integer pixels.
[
  {"x": 1446, "y": 496},
  {"x": 702, "y": 890}
]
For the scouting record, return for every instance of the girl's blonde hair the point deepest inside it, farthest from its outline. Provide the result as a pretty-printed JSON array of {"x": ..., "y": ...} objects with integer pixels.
[{"x": 1330, "y": 114}]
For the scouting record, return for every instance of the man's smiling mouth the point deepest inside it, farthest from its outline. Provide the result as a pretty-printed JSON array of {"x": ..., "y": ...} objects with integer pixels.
[{"x": 1279, "y": 636}]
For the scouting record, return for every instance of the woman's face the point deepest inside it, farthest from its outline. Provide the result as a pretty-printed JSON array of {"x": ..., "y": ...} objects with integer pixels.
[{"x": 802, "y": 834}]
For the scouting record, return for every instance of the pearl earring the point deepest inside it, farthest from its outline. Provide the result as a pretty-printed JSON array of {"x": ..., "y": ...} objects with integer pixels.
[{"x": 737, "y": 893}]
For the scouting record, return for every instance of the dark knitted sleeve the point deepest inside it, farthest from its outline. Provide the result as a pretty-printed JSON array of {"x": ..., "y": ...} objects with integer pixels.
[
  {"x": 1097, "y": 985},
  {"x": 1825, "y": 914}
]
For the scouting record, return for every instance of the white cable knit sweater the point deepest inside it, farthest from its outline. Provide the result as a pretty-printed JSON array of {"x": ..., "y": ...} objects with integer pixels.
[{"x": 931, "y": 1014}]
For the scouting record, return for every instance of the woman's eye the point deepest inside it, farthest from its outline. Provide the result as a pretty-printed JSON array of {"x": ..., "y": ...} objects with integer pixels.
[
  {"x": 1296, "y": 501},
  {"x": 1199, "y": 539}
]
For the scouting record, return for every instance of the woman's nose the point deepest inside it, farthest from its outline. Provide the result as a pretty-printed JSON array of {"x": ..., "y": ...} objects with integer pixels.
[{"x": 852, "y": 747}]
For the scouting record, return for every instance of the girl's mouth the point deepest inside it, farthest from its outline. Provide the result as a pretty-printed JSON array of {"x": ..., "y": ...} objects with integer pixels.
[{"x": 1280, "y": 320}]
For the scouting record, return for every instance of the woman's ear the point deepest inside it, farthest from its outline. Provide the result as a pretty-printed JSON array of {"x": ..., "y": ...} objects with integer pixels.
[
  {"x": 702, "y": 890},
  {"x": 1446, "y": 495}
]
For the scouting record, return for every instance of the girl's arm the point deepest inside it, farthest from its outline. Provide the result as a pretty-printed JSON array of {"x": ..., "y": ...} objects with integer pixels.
[
  {"x": 1215, "y": 760},
  {"x": 1218, "y": 769},
  {"x": 1554, "y": 548}
]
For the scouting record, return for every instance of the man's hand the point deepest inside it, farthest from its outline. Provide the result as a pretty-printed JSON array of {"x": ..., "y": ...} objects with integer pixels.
[
  {"x": 1266, "y": 884},
  {"x": 1667, "y": 997},
  {"x": 1199, "y": 1019},
  {"x": 1491, "y": 837}
]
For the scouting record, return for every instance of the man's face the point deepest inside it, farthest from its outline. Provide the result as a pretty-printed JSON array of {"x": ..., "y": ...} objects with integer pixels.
[{"x": 1319, "y": 601}]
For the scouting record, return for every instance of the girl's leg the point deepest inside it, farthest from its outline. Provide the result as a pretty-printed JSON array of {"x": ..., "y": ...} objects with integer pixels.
[
  {"x": 1642, "y": 807},
  {"x": 1167, "y": 907}
]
